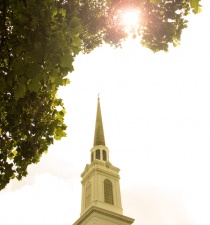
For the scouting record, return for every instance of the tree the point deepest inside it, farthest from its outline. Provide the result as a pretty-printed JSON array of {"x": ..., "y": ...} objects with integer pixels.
[{"x": 39, "y": 40}]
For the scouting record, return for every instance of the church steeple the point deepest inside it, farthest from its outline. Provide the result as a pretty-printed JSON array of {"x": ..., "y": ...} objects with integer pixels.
[
  {"x": 101, "y": 199},
  {"x": 99, "y": 131}
]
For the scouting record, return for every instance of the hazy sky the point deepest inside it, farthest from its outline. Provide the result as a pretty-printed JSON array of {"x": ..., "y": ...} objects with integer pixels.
[{"x": 156, "y": 115}]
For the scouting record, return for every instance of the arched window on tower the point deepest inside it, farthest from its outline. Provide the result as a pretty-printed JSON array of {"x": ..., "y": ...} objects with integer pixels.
[
  {"x": 98, "y": 155},
  {"x": 87, "y": 194},
  {"x": 104, "y": 155},
  {"x": 108, "y": 192}
]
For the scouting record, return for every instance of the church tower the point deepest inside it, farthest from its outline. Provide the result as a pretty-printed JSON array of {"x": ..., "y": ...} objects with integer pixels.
[{"x": 101, "y": 198}]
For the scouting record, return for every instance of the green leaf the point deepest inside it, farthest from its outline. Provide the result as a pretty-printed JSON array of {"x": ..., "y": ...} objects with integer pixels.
[
  {"x": 195, "y": 5},
  {"x": 54, "y": 12},
  {"x": 12, "y": 177},
  {"x": 76, "y": 41},
  {"x": 52, "y": 79},
  {"x": 59, "y": 134},
  {"x": 67, "y": 60},
  {"x": 62, "y": 12},
  {"x": 34, "y": 85},
  {"x": 76, "y": 50},
  {"x": 58, "y": 81},
  {"x": 65, "y": 81},
  {"x": 19, "y": 91},
  {"x": 75, "y": 22}
]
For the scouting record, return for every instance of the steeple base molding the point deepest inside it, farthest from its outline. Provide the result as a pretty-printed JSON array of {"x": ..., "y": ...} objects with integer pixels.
[{"x": 98, "y": 216}]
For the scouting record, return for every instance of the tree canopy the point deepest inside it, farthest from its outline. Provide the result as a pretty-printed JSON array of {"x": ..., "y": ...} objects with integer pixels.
[{"x": 39, "y": 40}]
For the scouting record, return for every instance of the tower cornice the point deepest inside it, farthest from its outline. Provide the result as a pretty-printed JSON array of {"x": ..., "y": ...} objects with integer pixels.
[
  {"x": 100, "y": 167},
  {"x": 94, "y": 211}
]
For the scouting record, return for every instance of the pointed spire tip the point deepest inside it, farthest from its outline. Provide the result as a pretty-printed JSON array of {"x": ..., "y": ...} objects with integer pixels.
[{"x": 99, "y": 132}]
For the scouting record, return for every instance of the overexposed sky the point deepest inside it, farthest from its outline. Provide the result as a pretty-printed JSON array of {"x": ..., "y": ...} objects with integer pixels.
[{"x": 156, "y": 115}]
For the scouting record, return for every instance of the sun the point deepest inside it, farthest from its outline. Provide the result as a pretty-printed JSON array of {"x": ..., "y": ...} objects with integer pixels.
[
  {"x": 126, "y": 16},
  {"x": 131, "y": 18}
]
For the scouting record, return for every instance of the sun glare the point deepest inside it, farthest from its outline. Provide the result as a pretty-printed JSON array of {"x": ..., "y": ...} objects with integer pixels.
[{"x": 131, "y": 18}]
